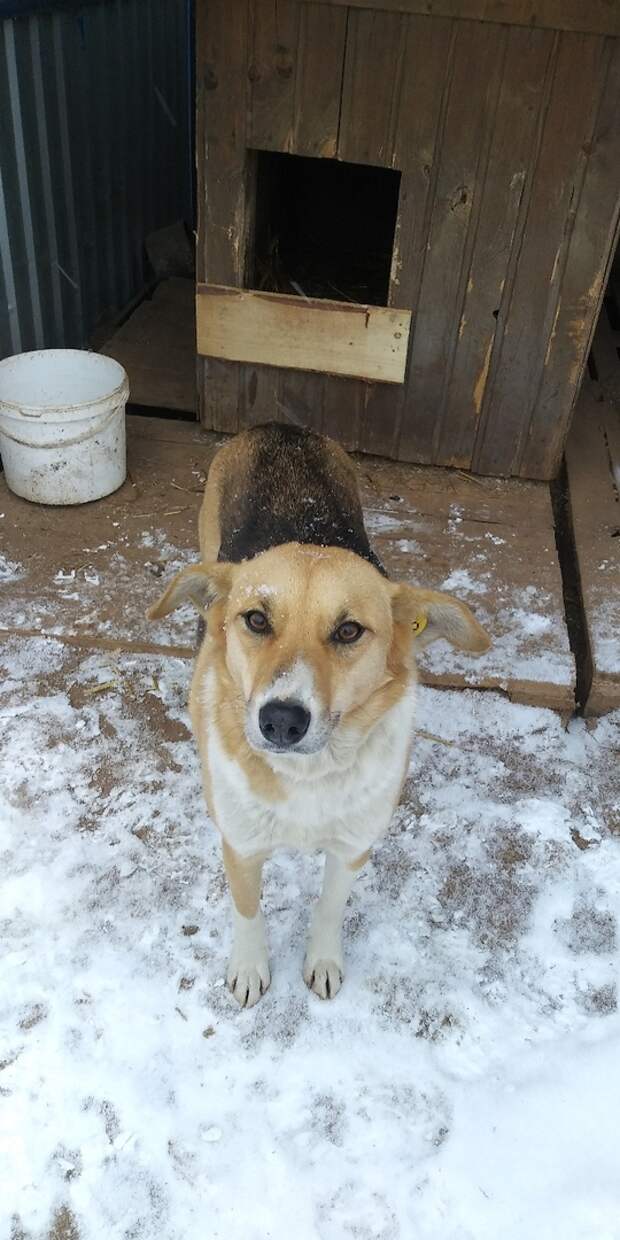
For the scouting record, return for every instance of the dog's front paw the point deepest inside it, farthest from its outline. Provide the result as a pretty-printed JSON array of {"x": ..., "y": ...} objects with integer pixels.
[
  {"x": 324, "y": 977},
  {"x": 248, "y": 979}
]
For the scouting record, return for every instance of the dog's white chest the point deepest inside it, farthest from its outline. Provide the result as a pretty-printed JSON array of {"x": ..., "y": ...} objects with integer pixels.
[{"x": 342, "y": 808}]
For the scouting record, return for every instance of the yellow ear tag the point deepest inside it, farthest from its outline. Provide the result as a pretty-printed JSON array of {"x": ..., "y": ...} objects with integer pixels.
[{"x": 419, "y": 624}]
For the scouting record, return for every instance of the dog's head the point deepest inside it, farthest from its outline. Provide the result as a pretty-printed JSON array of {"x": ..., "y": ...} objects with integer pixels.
[{"x": 313, "y": 637}]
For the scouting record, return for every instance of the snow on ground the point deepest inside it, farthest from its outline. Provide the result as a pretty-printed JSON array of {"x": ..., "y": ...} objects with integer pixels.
[{"x": 465, "y": 1084}]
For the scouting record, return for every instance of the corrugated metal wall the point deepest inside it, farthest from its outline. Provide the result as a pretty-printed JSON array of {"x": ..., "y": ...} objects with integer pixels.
[{"x": 95, "y": 153}]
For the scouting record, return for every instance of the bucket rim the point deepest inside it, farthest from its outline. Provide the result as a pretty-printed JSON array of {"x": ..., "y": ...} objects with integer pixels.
[{"x": 66, "y": 410}]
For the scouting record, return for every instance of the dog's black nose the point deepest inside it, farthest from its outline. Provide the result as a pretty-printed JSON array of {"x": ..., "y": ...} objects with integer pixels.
[{"x": 283, "y": 723}]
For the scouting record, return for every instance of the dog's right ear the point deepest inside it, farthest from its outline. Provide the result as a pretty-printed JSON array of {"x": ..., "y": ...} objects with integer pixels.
[{"x": 201, "y": 584}]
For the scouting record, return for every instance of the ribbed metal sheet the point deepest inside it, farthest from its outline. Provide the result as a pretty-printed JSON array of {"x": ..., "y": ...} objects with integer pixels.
[{"x": 95, "y": 153}]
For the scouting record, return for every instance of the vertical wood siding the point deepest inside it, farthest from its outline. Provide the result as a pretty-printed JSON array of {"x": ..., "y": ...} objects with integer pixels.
[{"x": 508, "y": 140}]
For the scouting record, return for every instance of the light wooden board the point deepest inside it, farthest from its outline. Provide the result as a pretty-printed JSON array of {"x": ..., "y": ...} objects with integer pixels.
[
  {"x": 157, "y": 347},
  {"x": 592, "y": 459},
  {"x": 88, "y": 575},
  {"x": 273, "y": 329}
]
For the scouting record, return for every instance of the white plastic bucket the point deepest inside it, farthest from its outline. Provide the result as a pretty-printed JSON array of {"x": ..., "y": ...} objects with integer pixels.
[{"x": 62, "y": 425}]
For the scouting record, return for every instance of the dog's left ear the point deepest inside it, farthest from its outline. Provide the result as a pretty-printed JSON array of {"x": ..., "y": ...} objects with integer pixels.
[
  {"x": 432, "y": 615},
  {"x": 202, "y": 585}
]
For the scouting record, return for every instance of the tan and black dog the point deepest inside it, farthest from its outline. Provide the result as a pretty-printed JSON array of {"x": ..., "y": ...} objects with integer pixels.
[{"x": 302, "y": 699}]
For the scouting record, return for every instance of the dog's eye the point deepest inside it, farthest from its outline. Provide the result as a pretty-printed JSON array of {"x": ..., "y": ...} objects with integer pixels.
[
  {"x": 348, "y": 632},
  {"x": 256, "y": 621}
]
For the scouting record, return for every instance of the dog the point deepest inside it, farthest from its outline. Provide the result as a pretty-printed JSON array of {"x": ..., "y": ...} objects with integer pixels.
[{"x": 302, "y": 697}]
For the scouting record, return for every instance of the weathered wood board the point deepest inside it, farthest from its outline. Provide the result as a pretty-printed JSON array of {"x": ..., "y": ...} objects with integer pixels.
[
  {"x": 88, "y": 576},
  {"x": 157, "y": 347},
  {"x": 302, "y": 333},
  {"x": 491, "y": 542},
  {"x": 508, "y": 211},
  {"x": 594, "y": 16},
  {"x": 593, "y": 467}
]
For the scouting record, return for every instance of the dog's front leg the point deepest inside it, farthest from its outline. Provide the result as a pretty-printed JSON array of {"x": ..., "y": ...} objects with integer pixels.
[
  {"x": 324, "y": 964},
  {"x": 248, "y": 968}
]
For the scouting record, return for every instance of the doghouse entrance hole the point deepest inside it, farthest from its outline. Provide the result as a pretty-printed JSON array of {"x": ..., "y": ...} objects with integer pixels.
[{"x": 323, "y": 228}]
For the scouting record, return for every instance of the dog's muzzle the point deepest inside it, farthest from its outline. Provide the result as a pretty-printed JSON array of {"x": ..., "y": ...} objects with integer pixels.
[{"x": 283, "y": 724}]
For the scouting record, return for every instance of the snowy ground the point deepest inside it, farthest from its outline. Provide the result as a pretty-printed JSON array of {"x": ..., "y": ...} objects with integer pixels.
[{"x": 465, "y": 1084}]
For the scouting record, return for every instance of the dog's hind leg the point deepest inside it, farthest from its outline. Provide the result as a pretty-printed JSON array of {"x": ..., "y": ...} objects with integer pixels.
[
  {"x": 324, "y": 964},
  {"x": 248, "y": 968}
]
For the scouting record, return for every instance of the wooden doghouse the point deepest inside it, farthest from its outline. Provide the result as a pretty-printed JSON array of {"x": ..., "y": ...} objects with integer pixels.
[{"x": 406, "y": 215}]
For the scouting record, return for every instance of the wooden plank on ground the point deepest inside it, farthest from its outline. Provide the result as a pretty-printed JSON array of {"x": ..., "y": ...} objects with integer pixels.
[
  {"x": 491, "y": 543},
  {"x": 157, "y": 385},
  {"x": 591, "y": 451},
  {"x": 157, "y": 347},
  {"x": 369, "y": 342},
  {"x": 88, "y": 576}
]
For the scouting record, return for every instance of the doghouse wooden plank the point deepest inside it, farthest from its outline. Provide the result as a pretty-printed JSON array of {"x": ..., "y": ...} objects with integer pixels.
[
  {"x": 222, "y": 109},
  {"x": 589, "y": 16},
  {"x": 426, "y": 68},
  {"x": 295, "y": 70},
  {"x": 301, "y": 398},
  {"x": 277, "y": 330},
  {"x": 342, "y": 409},
  {"x": 221, "y": 392},
  {"x": 502, "y": 200},
  {"x": 595, "y": 510},
  {"x": 381, "y": 410},
  {"x": 223, "y": 216},
  {"x": 455, "y": 211},
  {"x": 260, "y": 394},
  {"x": 274, "y": 33},
  {"x": 533, "y": 298},
  {"x": 221, "y": 88},
  {"x": 426, "y": 57},
  {"x": 318, "y": 83},
  {"x": 594, "y": 238},
  {"x": 89, "y": 581},
  {"x": 371, "y": 86}
]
